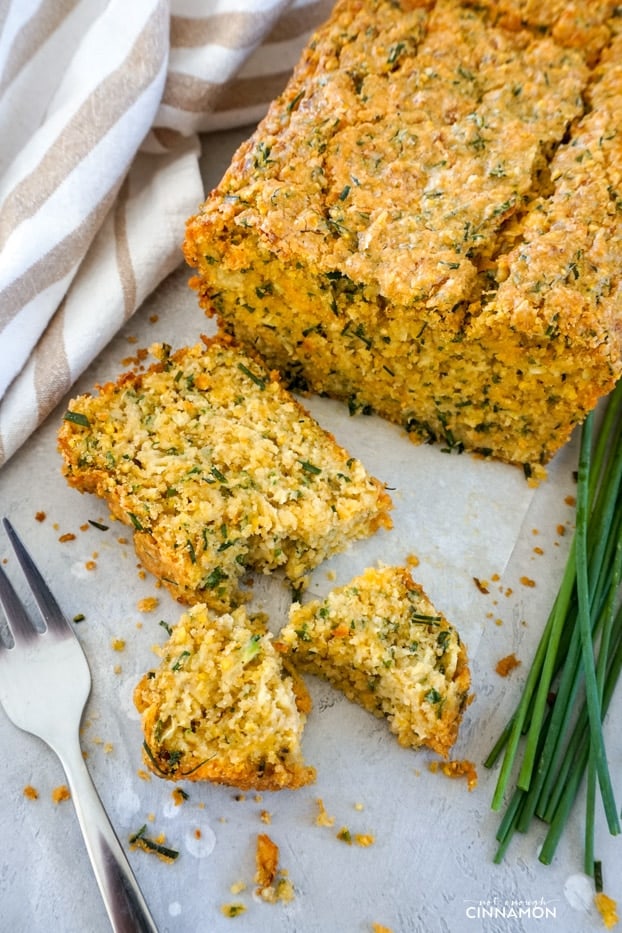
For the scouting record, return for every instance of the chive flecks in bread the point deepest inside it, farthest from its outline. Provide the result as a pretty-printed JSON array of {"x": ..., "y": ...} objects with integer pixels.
[
  {"x": 222, "y": 707},
  {"x": 380, "y": 640},
  {"x": 219, "y": 471},
  {"x": 427, "y": 223}
]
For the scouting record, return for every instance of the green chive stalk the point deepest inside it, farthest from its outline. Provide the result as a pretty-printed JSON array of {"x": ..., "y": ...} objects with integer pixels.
[{"x": 555, "y": 737}]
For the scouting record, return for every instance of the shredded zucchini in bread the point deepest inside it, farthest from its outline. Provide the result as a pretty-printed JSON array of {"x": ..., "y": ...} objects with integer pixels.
[
  {"x": 382, "y": 642},
  {"x": 219, "y": 471},
  {"x": 427, "y": 222},
  {"x": 222, "y": 707}
]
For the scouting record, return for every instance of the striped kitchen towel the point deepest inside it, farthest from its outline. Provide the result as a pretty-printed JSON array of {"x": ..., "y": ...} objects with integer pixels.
[{"x": 104, "y": 107}]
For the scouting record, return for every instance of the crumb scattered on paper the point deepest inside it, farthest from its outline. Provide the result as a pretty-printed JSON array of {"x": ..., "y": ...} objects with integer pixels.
[
  {"x": 60, "y": 793},
  {"x": 506, "y": 665}
]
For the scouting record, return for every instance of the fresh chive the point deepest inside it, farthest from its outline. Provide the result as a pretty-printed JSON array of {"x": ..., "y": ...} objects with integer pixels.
[
  {"x": 214, "y": 578},
  {"x": 425, "y": 619},
  {"x": 76, "y": 417},
  {"x": 139, "y": 839},
  {"x": 575, "y": 668},
  {"x": 256, "y": 379},
  {"x": 98, "y": 525},
  {"x": 180, "y": 660},
  {"x": 135, "y": 522},
  {"x": 166, "y": 627},
  {"x": 310, "y": 468}
]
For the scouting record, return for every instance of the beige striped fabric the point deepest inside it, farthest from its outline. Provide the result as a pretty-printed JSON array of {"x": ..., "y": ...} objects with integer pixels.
[{"x": 105, "y": 106}]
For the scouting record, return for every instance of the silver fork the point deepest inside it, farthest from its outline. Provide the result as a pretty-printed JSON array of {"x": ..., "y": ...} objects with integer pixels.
[{"x": 44, "y": 685}]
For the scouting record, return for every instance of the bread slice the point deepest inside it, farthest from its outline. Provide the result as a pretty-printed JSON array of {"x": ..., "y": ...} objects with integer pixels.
[
  {"x": 219, "y": 471},
  {"x": 222, "y": 707},
  {"x": 427, "y": 222},
  {"x": 382, "y": 642}
]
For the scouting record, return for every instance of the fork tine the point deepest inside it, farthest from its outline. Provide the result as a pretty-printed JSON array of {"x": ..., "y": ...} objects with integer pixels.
[
  {"x": 45, "y": 600},
  {"x": 20, "y": 626}
]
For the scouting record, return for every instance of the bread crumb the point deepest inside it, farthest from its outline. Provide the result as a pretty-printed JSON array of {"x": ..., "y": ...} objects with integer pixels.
[
  {"x": 30, "y": 792},
  {"x": 237, "y": 887},
  {"x": 331, "y": 575},
  {"x": 90, "y": 565},
  {"x": 482, "y": 585},
  {"x": 155, "y": 846},
  {"x": 267, "y": 859},
  {"x": 118, "y": 644},
  {"x": 143, "y": 775},
  {"x": 412, "y": 560},
  {"x": 344, "y": 835},
  {"x": 265, "y": 816},
  {"x": 456, "y": 769},
  {"x": 364, "y": 839},
  {"x": 379, "y": 928},
  {"x": 148, "y": 604},
  {"x": 68, "y": 536},
  {"x": 40, "y": 516},
  {"x": 322, "y": 818},
  {"x": 179, "y": 796},
  {"x": 232, "y": 910},
  {"x": 527, "y": 581},
  {"x": 570, "y": 500},
  {"x": 61, "y": 793},
  {"x": 561, "y": 530},
  {"x": 607, "y": 908},
  {"x": 506, "y": 665},
  {"x": 358, "y": 806},
  {"x": 538, "y": 550},
  {"x": 272, "y": 882}
]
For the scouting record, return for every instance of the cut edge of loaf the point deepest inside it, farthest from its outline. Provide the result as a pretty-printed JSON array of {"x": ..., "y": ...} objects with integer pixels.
[
  {"x": 219, "y": 471},
  {"x": 223, "y": 707},
  {"x": 381, "y": 642}
]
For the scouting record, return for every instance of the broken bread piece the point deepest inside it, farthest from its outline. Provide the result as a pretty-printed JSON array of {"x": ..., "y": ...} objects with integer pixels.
[
  {"x": 219, "y": 470},
  {"x": 222, "y": 706},
  {"x": 382, "y": 642}
]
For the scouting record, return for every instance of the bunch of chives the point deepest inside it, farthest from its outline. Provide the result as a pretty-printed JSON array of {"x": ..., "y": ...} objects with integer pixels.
[{"x": 558, "y": 720}]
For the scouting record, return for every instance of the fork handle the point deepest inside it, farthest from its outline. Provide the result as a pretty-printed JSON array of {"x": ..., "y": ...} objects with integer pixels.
[{"x": 125, "y": 904}]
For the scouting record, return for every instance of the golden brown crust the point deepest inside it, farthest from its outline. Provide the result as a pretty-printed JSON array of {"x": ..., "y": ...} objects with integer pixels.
[{"x": 427, "y": 221}]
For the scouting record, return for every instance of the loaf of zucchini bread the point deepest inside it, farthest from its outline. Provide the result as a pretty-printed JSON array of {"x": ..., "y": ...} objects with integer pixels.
[
  {"x": 219, "y": 471},
  {"x": 222, "y": 707},
  {"x": 380, "y": 640},
  {"x": 428, "y": 221}
]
